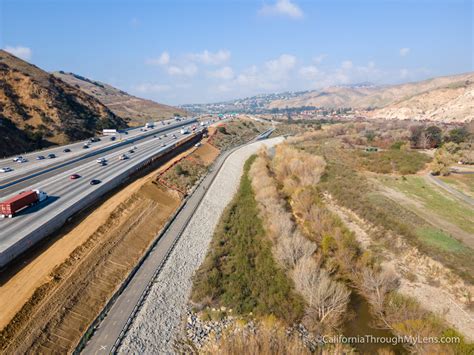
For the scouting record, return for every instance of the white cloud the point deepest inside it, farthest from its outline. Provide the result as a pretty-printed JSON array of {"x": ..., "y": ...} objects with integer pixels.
[
  {"x": 347, "y": 64},
  {"x": 147, "y": 88},
  {"x": 282, "y": 8},
  {"x": 189, "y": 69},
  {"x": 163, "y": 59},
  {"x": 210, "y": 58},
  {"x": 318, "y": 59},
  {"x": 19, "y": 51},
  {"x": 309, "y": 72},
  {"x": 281, "y": 65},
  {"x": 225, "y": 73},
  {"x": 404, "y": 52}
]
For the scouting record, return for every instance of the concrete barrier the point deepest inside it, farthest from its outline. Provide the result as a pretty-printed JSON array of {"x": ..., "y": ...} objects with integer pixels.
[
  {"x": 38, "y": 235},
  {"x": 100, "y": 151}
]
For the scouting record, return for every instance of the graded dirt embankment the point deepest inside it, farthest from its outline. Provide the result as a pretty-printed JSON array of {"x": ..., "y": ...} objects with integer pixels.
[{"x": 49, "y": 303}]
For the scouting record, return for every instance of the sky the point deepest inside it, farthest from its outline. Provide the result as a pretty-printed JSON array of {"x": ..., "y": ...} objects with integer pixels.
[{"x": 193, "y": 51}]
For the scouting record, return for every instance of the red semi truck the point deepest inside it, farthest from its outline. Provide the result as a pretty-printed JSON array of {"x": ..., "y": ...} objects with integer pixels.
[{"x": 23, "y": 200}]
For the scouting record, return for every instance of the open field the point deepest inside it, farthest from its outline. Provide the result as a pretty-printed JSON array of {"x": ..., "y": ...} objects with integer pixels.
[{"x": 424, "y": 196}]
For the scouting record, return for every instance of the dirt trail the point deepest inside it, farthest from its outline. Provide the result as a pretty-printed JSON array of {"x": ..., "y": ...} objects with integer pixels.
[
  {"x": 446, "y": 297},
  {"x": 54, "y": 298}
]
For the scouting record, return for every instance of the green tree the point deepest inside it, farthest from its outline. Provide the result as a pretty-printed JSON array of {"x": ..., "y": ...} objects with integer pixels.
[{"x": 434, "y": 136}]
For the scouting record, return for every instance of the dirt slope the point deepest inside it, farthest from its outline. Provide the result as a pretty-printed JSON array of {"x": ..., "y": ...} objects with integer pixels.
[
  {"x": 132, "y": 108},
  {"x": 44, "y": 107}
]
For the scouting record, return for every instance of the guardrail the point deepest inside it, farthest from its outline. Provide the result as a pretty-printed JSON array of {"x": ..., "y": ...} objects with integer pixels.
[{"x": 100, "y": 151}]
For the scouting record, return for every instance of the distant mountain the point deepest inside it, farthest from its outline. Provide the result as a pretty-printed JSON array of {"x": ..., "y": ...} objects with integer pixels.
[
  {"x": 450, "y": 103},
  {"x": 38, "y": 109},
  {"x": 448, "y": 98},
  {"x": 133, "y": 109}
]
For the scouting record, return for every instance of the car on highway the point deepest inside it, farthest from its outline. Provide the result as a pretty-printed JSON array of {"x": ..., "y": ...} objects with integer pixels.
[
  {"x": 51, "y": 156},
  {"x": 101, "y": 160},
  {"x": 159, "y": 137},
  {"x": 5, "y": 169},
  {"x": 21, "y": 161},
  {"x": 18, "y": 158},
  {"x": 85, "y": 146},
  {"x": 112, "y": 138},
  {"x": 163, "y": 144},
  {"x": 95, "y": 182},
  {"x": 198, "y": 144},
  {"x": 94, "y": 139},
  {"x": 123, "y": 157},
  {"x": 174, "y": 136},
  {"x": 165, "y": 135},
  {"x": 67, "y": 150},
  {"x": 40, "y": 157},
  {"x": 131, "y": 151},
  {"x": 74, "y": 176}
]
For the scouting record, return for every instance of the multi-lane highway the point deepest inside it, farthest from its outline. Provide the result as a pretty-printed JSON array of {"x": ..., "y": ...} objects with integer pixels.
[
  {"x": 21, "y": 231},
  {"x": 76, "y": 151}
]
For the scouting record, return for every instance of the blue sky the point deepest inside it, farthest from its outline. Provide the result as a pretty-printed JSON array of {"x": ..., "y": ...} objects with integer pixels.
[{"x": 204, "y": 51}]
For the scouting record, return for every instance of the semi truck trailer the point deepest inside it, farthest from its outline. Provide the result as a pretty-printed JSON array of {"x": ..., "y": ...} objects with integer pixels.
[{"x": 21, "y": 201}]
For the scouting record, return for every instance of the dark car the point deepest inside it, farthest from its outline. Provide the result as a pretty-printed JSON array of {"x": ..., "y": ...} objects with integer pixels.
[
  {"x": 85, "y": 146},
  {"x": 112, "y": 138},
  {"x": 51, "y": 156},
  {"x": 74, "y": 176},
  {"x": 40, "y": 157},
  {"x": 131, "y": 151},
  {"x": 67, "y": 150},
  {"x": 95, "y": 182}
]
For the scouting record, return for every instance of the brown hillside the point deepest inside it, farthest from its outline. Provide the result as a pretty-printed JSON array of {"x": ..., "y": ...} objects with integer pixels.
[
  {"x": 45, "y": 108},
  {"x": 447, "y": 98},
  {"x": 134, "y": 109}
]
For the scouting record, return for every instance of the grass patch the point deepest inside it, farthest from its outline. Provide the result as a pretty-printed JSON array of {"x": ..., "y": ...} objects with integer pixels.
[
  {"x": 434, "y": 200},
  {"x": 462, "y": 182},
  {"x": 239, "y": 271},
  {"x": 394, "y": 161},
  {"x": 439, "y": 239}
]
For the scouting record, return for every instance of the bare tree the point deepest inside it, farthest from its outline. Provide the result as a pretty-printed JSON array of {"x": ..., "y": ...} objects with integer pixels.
[
  {"x": 376, "y": 285},
  {"x": 327, "y": 299},
  {"x": 290, "y": 250}
]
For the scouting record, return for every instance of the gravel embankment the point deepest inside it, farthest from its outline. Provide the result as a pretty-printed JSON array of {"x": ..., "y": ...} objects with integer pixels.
[{"x": 160, "y": 318}]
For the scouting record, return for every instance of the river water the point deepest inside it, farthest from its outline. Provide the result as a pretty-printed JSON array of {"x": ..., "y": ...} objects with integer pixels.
[{"x": 361, "y": 325}]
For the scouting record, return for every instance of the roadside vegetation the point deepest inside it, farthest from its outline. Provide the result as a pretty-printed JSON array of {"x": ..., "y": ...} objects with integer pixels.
[{"x": 236, "y": 132}]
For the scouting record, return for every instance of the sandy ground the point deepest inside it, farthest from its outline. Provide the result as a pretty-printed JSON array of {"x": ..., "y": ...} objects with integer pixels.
[
  {"x": 55, "y": 296},
  {"x": 445, "y": 298}
]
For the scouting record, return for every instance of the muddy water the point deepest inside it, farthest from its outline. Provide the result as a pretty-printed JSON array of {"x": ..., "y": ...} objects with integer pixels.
[{"x": 361, "y": 324}]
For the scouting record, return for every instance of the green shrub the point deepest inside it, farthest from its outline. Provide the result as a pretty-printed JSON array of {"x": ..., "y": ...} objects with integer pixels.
[{"x": 239, "y": 271}]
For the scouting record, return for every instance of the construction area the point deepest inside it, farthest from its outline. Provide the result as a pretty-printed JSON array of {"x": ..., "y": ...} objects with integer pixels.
[{"x": 50, "y": 299}]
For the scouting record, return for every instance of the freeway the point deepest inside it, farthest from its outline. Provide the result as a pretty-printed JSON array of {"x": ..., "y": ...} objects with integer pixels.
[
  {"x": 66, "y": 194},
  {"x": 32, "y": 165}
]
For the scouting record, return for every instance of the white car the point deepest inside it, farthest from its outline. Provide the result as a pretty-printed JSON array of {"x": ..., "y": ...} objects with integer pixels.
[
  {"x": 5, "y": 169},
  {"x": 123, "y": 157},
  {"x": 17, "y": 159},
  {"x": 101, "y": 160}
]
